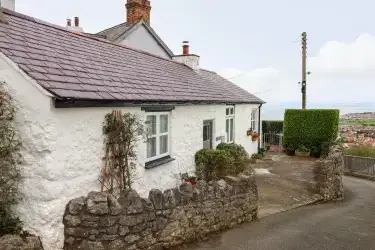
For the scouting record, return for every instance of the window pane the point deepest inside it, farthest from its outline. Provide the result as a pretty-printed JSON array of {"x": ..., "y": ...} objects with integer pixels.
[
  {"x": 163, "y": 144},
  {"x": 232, "y": 111},
  {"x": 163, "y": 123},
  {"x": 205, "y": 133},
  {"x": 227, "y": 128},
  {"x": 151, "y": 147},
  {"x": 227, "y": 111},
  {"x": 151, "y": 124},
  {"x": 231, "y": 129}
]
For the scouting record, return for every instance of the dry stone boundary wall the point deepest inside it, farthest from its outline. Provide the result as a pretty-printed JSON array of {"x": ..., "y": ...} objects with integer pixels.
[
  {"x": 328, "y": 175},
  {"x": 165, "y": 219}
]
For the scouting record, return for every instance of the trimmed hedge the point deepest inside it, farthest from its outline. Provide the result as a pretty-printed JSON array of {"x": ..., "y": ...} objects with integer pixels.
[
  {"x": 272, "y": 126},
  {"x": 240, "y": 157},
  {"x": 226, "y": 159},
  {"x": 212, "y": 164},
  {"x": 310, "y": 127}
]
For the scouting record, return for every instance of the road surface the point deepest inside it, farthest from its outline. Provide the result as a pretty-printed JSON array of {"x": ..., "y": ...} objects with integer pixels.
[{"x": 342, "y": 225}]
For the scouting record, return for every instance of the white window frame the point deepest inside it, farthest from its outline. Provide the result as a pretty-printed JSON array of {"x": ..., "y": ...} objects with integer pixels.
[
  {"x": 254, "y": 119},
  {"x": 158, "y": 135},
  {"x": 230, "y": 115}
]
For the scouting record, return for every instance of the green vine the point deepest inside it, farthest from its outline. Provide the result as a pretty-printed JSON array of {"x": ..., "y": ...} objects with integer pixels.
[
  {"x": 10, "y": 174},
  {"x": 121, "y": 135}
]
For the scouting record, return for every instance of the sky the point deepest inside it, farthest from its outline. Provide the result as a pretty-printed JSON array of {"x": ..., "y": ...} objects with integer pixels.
[{"x": 255, "y": 44}]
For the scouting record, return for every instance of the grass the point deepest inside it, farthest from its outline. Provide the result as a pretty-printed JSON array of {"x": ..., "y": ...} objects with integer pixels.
[
  {"x": 366, "y": 122},
  {"x": 361, "y": 150}
]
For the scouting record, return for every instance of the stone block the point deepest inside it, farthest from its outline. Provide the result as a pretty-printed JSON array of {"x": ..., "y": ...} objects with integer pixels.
[
  {"x": 100, "y": 208},
  {"x": 72, "y": 221},
  {"x": 156, "y": 198},
  {"x": 91, "y": 245},
  {"x": 116, "y": 245},
  {"x": 169, "y": 199},
  {"x": 76, "y": 206}
]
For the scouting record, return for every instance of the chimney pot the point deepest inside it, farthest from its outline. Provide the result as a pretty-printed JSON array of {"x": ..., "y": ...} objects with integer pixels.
[
  {"x": 69, "y": 22},
  {"x": 76, "y": 21},
  {"x": 185, "y": 48}
]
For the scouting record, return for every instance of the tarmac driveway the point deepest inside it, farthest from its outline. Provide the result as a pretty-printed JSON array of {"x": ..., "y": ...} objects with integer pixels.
[{"x": 343, "y": 225}]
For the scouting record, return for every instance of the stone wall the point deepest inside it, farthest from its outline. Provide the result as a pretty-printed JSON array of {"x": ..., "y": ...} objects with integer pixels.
[
  {"x": 16, "y": 242},
  {"x": 164, "y": 220},
  {"x": 328, "y": 175}
]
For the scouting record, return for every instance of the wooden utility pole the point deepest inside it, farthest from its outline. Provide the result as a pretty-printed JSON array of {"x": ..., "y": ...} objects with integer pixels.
[{"x": 304, "y": 73}]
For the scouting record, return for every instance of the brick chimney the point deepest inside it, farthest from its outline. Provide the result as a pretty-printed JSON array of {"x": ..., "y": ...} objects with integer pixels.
[
  {"x": 76, "y": 28},
  {"x": 190, "y": 60},
  {"x": 137, "y": 10}
]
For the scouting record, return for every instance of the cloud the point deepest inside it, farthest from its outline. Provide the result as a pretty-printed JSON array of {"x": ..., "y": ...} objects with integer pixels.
[{"x": 341, "y": 72}]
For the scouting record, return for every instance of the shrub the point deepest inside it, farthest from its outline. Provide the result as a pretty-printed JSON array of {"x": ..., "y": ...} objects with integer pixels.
[
  {"x": 238, "y": 154},
  {"x": 272, "y": 126},
  {"x": 310, "y": 127},
  {"x": 361, "y": 150},
  {"x": 302, "y": 148},
  {"x": 10, "y": 174},
  {"x": 213, "y": 164}
]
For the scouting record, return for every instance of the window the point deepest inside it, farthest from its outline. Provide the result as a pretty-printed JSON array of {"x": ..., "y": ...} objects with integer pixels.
[
  {"x": 229, "y": 123},
  {"x": 254, "y": 119},
  {"x": 157, "y": 129}
]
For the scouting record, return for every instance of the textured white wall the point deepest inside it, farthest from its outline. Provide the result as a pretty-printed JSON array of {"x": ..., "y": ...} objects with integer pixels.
[
  {"x": 142, "y": 39},
  {"x": 62, "y": 151}
]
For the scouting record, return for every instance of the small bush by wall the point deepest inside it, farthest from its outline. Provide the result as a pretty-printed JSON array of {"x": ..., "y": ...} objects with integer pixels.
[
  {"x": 272, "y": 126},
  {"x": 310, "y": 127},
  {"x": 241, "y": 159},
  {"x": 213, "y": 164},
  {"x": 166, "y": 219},
  {"x": 361, "y": 150}
]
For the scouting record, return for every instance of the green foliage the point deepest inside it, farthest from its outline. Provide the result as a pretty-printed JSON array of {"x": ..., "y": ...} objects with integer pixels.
[
  {"x": 362, "y": 121},
  {"x": 303, "y": 149},
  {"x": 310, "y": 127},
  {"x": 10, "y": 174},
  {"x": 269, "y": 126},
  {"x": 361, "y": 150},
  {"x": 213, "y": 164},
  {"x": 121, "y": 135},
  {"x": 262, "y": 152},
  {"x": 239, "y": 155}
]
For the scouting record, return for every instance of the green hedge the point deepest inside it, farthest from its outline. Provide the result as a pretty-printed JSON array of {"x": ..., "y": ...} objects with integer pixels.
[
  {"x": 310, "y": 127},
  {"x": 240, "y": 157},
  {"x": 212, "y": 164},
  {"x": 272, "y": 126},
  {"x": 226, "y": 159}
]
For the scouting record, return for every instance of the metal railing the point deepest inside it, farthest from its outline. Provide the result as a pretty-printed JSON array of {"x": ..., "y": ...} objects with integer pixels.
[
  {"x": 358, "y": 164},
  {"x": 274, "y": 140}
]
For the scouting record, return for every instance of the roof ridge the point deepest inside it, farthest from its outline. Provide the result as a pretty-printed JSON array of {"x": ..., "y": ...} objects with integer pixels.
[
  {"x": 120, "y": 24},
  {"x": 48, "y": 24}
]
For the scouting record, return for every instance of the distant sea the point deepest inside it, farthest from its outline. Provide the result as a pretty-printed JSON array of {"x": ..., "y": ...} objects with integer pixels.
[{"x": 276, "y": 112}]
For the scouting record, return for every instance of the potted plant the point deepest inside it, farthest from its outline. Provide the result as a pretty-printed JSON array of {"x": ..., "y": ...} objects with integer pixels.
[
  {"x": 254, "y": 158},
  {"x": 255, "y": 136},
  {"x": 249, "y": 132},
  {"x": 315, "y": 152},
  {"x": 290, "y": 150},
  {"x": 268, "y": 147},
  {"x": 191, "y": 179},
  {"x": 261, "y": 152},
  {"x": 302, "y": 151}
]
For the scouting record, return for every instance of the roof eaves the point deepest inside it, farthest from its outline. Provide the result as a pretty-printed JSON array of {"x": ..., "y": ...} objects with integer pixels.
[
  {"x": 26, "y": 76},
  {"x": 90, "y": 103}
]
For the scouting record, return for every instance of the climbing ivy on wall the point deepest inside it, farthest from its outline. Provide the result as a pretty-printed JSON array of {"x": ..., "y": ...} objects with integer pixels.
[
  {"x": 121, "y": 135},
  {"x": 10, "y": 174}
]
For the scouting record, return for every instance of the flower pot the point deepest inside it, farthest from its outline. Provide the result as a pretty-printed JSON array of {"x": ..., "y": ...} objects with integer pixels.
[
  {"x": 290, "y": 152},
  {"x": 302, "y": 154}
]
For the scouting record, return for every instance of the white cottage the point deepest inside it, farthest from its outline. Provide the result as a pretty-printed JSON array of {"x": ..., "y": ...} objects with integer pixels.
[{"x": 64, "y": 83}]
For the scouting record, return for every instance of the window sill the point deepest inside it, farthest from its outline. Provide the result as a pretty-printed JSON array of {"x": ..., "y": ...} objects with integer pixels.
[{"x": 158, "y": 162}]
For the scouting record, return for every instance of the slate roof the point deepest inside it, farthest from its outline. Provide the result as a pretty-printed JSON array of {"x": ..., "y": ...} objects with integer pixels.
[
  {"x": 119, "y": 32},
  {"x": 80, "y": 67}
]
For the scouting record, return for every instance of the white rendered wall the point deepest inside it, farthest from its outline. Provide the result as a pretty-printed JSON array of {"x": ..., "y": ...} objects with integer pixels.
[
  {"x": 62, "y": 151},
  {"x": 142, "y": 39}
]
